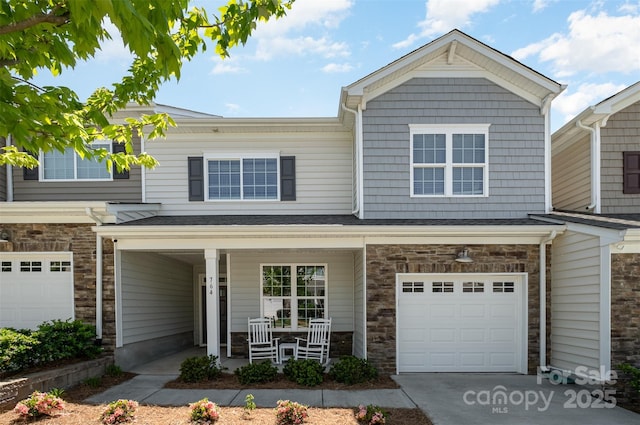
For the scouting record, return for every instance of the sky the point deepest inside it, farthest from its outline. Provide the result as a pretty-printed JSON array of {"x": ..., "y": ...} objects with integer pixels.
[{"x": 296, "y": 66}]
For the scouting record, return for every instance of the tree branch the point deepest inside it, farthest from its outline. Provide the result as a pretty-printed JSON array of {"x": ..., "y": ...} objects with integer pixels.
[{"x": 49, "y": 18}]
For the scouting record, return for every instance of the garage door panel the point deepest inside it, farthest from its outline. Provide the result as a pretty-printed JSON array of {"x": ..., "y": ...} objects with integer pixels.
[
  {"x": 465, "y": 331},
  {"x": 34, "y": 288}
]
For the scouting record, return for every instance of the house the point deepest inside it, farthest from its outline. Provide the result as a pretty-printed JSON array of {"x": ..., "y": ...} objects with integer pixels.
[
  {"x": 405, "y": 218},
  {"x": 595, "y": 289}
]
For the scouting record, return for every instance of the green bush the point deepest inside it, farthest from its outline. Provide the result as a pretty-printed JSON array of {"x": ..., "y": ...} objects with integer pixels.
[
  {"x": 66, "y": 340},
  {"x": 304, "y": 372},
  {"x": 633, "y": 375},
  {"x": 256, "y": 373},
  {"x": 17, "y": 349},
  {"x": 113, "y": 371},
  {"x": 197, "y": 369},
  {"x": 352, "y": 370}
]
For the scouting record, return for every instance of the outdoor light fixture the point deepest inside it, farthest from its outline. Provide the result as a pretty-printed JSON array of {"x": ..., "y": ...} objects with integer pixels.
[
  {"x": 463, "y": 257},
  {"x": 4, "y": 236}
]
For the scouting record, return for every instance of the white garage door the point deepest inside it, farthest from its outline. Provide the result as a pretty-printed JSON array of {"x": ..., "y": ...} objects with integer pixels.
[
  {"x": 34, "y": 288},
  {"x": 461, "y": 323}
]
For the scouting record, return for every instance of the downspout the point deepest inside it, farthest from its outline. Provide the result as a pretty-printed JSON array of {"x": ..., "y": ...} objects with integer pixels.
[
  {"x": 595, "y": 165},
  {"x": 543, "y": 299},
  {"x": 544, "y": 110},
  {"x": 358, "y": 136},
  {"x": 143, "y": 175},
  {"x": 98, "y": 221},
  {"x": 8, "y": 143}
]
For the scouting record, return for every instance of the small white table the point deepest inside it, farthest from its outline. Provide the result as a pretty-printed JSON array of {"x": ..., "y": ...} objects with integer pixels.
[{"x": 287, "y": 346}]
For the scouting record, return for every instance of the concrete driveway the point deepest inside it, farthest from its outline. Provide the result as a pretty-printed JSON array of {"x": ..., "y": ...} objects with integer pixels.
[{"x": 478, "y": 398}]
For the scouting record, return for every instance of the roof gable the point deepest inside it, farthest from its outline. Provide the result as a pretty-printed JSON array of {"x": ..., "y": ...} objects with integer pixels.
[{"x": 455, "y": 54}]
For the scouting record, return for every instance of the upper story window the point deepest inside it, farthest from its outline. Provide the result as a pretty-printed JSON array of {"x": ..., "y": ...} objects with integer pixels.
[
  {"x": 243, "y": 177},
  {"x": 449, "y": 160},
  {"x": 68, "y": 165},
  {"x": 631, "y": 172}
]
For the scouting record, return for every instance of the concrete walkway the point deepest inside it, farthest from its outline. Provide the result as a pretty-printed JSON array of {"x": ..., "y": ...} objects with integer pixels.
[
  {"x": 477, "y": 398},
  {"x": 148, "y": 389}
]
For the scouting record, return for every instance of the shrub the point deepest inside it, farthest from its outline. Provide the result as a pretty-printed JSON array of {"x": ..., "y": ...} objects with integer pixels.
[
  {"x": 633, "y": 374},
  {"x": 93, "y": 382},
  {"x": 119, "y": 412},
  {"x": 352, "y": 370},
  {"x": 39, "y": 404},
  {"x": 371, "y": 415},
  {"x": 304, "y": 372},
  {"x": 249, "y": 404},
  {"x": 204, "y": 412},
  {"x": 113, "y": 371},
  {"x": 256, "y": 373},
  {"x": 290, "y": 412},
  {"x": 197, "y": 369},
  {"x": 17, "y": 348},
  {"x": 66, "y": 340}
]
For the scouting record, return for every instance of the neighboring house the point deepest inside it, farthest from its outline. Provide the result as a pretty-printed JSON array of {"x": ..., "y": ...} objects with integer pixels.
[
  {"x": 595, "y": 290},
  {"x": 405, "y": 218}
]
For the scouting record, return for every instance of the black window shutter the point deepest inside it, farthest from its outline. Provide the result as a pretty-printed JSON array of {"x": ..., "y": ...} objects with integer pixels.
[
  {"x": 631, "y": 172},
  {"x": 30, "y": 173},
  {"x": 118, "y": 148},
  {"x": 196, "y": 178},
  {"x": 287, "y": 178}
]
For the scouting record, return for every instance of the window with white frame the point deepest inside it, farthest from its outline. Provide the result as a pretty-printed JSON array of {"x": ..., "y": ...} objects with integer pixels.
[
  {"x": 449, "y": 160},
  {"x": 68, "y": 165},
  {"x": 293, "y": 294},
  {"x": 243, "y": 177}
]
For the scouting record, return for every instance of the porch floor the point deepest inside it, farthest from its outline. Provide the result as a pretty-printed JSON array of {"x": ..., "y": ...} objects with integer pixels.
[{"x": 170, "y": 365}]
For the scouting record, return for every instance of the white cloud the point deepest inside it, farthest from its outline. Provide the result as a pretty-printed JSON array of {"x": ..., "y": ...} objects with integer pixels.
[
  {"x": 569, "y": 104},
  {"x": 632, "y": 8},
  {"x": 300, "y": 46},
  {"x": 333, "y": 68},
  {"x": 445, "y": 15},
  {"x": 539, "y": 5},
  {"x": 595, "y": 43},
  {"x": 284, "y": 36},
  {"x": 232, "y": 108},
  {"x": 114, "y": 49},
  {"x": 227, "y": 66}
]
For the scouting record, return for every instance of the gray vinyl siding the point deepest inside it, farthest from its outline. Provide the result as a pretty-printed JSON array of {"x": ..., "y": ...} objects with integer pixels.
[
  {"x": 359, "y": 334},
  {"x": 119, "y": 190},
  {"x": 324, "y": 176},
  {"x": 622, "y": 133},
  {"x": 245, "y": 284},
  {"x": 3, "y": 183},
  {"x": 571, "y": 176},
  {"x": 157, "y": 296},
  {"x": 575, "y": 301},
  {"x": 516, "y": 149}
]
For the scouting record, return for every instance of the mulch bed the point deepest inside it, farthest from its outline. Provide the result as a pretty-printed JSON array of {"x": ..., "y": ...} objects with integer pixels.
[{"x": 230, "y": 381}]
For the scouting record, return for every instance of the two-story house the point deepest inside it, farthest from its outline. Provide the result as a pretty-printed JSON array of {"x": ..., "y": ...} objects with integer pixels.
[
  {"x": 405, "y": 218},
  {"x": 595, "y": 290}
]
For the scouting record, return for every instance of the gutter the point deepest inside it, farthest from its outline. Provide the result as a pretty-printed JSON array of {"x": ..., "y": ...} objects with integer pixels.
[
  {"x": 99, "y": 222},
  {"x": 543, "y": 299}
]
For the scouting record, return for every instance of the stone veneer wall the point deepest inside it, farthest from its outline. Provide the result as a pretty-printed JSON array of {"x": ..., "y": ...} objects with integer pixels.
[
  {"x": 384, "y": 261},
  {"x": 79, "y": 239},
  {"x": 625, "y": 321}
]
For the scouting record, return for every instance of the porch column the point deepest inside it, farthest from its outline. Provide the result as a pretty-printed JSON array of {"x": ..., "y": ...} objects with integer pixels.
[{"x": 213, "y": 318}]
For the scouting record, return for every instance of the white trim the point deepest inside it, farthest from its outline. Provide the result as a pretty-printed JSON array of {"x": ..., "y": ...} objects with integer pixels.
[
  {"x": 213, "y": 300},
  {"x": 117, "y": 281},
  {"x": 522, "y": 350},
  {"x": 229, "y": 304},
  {"x": 365, "y": 349},
  {"x": 605, "y": 309},
  {"x": 296, "y": 297},
  {"x": 449, "y": 130}
]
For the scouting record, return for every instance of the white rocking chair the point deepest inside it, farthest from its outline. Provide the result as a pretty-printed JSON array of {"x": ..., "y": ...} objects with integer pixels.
[
  {"x": 262, "y": 345},
  {"x": 318, "y": 341}
]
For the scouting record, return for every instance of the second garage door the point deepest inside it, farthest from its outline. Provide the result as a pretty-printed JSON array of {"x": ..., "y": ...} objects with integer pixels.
[{"x": 461, "y": 323}]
